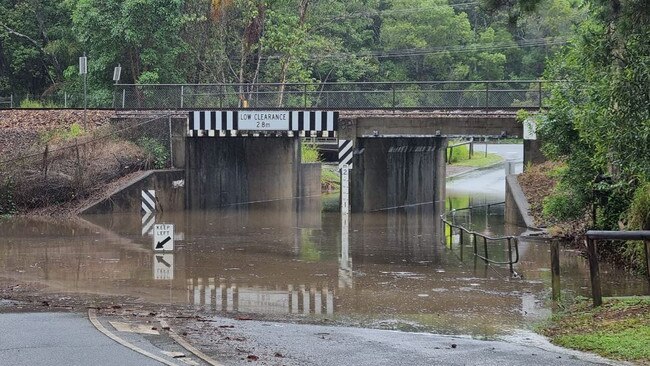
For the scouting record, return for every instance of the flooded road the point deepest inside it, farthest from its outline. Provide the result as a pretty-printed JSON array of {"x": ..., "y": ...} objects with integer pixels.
[{"x": 288, "y": 260}]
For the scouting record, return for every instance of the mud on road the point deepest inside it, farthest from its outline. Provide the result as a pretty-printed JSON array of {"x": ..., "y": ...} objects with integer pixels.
[{"x": 242, "y": 339}]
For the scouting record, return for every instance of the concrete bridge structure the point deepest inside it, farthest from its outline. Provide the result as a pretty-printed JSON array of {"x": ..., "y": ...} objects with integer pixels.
[
  {"x": 236, "y": 144},
  {"x": 396, "y": 159}
]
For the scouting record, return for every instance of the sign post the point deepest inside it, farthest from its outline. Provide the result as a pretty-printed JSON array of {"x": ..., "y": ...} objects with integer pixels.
[
  {"x": 83, "y": 70},
  {"x": 345, "y": 263},
  {"x": 345, "y": 189}
]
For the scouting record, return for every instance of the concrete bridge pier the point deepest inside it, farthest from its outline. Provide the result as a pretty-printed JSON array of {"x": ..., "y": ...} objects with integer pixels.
[
  {"x": 397, "y": 171},
  {"x": 231, "y": 170}
]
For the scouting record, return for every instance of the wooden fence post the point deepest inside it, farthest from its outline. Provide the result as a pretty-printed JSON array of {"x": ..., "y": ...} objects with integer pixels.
[
  {"x": 646, "y": 245},
  {"x": 594, "y": 273},
  {"x": 555, "y": 270}
]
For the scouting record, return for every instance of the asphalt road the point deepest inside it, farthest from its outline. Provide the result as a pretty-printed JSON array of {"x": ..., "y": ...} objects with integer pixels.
[
  {"x": 60, "y": 339},
  {"x": 70, "y": 339},
  {"x": 299, "y": 344}
]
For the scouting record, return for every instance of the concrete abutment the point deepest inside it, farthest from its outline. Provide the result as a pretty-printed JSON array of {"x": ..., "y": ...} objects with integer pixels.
[
  {"x": 397, "y": 171},
  {"x": 233, "y": 170}
]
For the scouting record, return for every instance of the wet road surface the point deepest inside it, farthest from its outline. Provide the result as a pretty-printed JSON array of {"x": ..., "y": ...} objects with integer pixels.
[
  {"x": 291, "y": 344},
  {"x": 60, "y": 339}
]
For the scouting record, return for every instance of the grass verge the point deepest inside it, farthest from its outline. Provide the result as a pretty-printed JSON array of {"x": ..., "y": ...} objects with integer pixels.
[
  {"x": 619, "y": 329},
  {"x": 479, "y": 160}
]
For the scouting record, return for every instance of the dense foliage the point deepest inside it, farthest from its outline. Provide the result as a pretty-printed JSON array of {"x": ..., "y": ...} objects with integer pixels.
[
  {"x": 252, "y": 41},
  {"x": 601, "y": 125}
]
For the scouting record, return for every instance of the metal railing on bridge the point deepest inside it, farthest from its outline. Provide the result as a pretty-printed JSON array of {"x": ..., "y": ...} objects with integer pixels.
[
  {"x": 471, "y": 237},
  {"x": 354, "y": 95}
]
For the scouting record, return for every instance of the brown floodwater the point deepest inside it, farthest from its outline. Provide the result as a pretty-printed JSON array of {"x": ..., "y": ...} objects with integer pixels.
[{"x": 394, "y": 269}]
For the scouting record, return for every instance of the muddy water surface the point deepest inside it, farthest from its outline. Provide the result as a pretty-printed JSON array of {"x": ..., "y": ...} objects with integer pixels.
[{"x": 395, "y": 269}]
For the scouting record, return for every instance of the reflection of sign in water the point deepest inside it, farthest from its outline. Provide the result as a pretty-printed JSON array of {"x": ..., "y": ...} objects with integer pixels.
[
  {"x": 300, "y": 299},
  {"x": 163, "y": 237},
  {"x": 147, "y": 223},
  {"x": 345, "y": 262},
  {"x": 163, "y": 266}
]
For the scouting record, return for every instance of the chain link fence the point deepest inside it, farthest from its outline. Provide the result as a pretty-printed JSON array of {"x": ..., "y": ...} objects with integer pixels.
[
  {"x": 371, "y": 95},
  {"x": 64, "y": 168},
  {"x": 354, "y": 95},
  {"x": 59, "y": 100}
]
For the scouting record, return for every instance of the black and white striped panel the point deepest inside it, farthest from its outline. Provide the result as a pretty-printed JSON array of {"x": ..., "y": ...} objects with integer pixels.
[
  {"x": 313, "y": 121},
  {"x": 212, "y": 123},
  {"x": 148, "y": 201},
  {"x": 148, "y": 220},
  {"x": 226, "y": 124},
  {"x": 345, "y": 153}
]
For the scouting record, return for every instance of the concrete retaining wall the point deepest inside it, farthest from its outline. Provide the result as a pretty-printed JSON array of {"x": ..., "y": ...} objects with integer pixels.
[
  {"x": 517, "y": 207},
  {"x": 168, "y": 184}
]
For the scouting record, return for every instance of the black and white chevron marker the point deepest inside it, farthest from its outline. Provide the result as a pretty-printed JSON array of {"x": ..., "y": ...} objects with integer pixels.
[
  {"x": 345, "y": 153},
  {"x": 147, "y": 223},
  {"x": 148, "y": 201}
]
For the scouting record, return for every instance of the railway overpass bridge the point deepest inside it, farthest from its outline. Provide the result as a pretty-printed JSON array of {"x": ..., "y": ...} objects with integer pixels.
[{"x": 241, "y": 143}]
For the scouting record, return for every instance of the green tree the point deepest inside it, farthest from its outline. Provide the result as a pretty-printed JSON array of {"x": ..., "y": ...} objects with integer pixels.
[
  {"x": 36, "y": 44},
  {"x": 142, "y": 35},
  {"x": 600, "y": 122}
]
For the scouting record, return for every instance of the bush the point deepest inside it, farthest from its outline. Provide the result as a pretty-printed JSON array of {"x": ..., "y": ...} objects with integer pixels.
[
  {"x": 560, "y": 206},
  {"x": 63, "y": 134},
  {"x": 157, "y": 153},
  {"x": 7, "y": 202},
  {"x": 638, "y": 219},
  {"x": 309, "y": 153},
  {"x": 458, "y": 153},
  {"x": 31, "y": 103},
  {"x": 639, "y": 213}
]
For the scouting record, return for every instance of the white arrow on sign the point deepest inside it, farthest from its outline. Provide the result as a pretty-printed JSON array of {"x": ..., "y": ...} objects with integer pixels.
[{"x": 163, "y": 238}]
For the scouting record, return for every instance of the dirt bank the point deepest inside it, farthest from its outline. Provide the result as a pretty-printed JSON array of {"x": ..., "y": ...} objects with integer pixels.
[
  {"x": 20, "y": 129},
  {"x": 54, "y": 162},
  {"x": 538, "y": 182}
]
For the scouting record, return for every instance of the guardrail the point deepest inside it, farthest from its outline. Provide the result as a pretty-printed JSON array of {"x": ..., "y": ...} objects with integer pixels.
[
  {"x": 491, "y": 94},
  {"x": 512, "y": 241}
]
